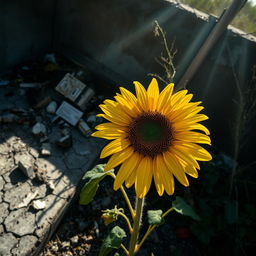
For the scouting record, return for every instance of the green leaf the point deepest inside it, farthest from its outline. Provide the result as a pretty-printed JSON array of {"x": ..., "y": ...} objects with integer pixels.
[
  {"x": 183, "y": 208},
  {"x": 112, "y": 241},
  {"x": 90, "y": 188},
  {"x": 155, "y": 217}
]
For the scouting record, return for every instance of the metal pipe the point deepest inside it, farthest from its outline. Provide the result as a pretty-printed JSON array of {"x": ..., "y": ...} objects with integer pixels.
[{"x": 211, "y": 40}]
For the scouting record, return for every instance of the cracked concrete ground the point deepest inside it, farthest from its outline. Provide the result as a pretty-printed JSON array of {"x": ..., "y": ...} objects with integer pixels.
[
  {"x": 21, "y": 226},
  {"x": 24, "y": 228}
]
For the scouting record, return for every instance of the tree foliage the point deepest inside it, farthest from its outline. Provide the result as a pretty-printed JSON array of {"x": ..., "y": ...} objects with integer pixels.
[{"x": 244, "y": 20}]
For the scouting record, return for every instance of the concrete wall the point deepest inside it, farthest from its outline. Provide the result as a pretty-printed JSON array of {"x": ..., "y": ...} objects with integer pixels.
[
  {"x": 25, "y": 30},
  {"x": 118, "y": 34},
  {"x": 115, "y": 40}
]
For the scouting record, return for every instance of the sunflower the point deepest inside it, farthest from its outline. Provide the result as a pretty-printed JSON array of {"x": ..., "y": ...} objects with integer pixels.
[{"x": 153, "y": 137}]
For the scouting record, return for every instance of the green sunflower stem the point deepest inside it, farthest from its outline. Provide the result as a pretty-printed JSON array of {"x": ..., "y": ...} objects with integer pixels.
[
  {"x": 126, "y": 198},
  {"x": 136, "y": 225}
]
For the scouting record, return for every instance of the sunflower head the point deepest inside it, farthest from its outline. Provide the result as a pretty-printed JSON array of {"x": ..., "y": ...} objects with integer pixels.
[{"x": 155, "y": 136}]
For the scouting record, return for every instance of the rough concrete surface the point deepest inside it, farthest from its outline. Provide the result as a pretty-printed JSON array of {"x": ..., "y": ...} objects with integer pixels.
[{"x": 23, "y": 227}]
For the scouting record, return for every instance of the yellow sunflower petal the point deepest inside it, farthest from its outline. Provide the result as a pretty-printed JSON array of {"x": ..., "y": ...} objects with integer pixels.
[
  {"x": 143, "y": 176},
  {"x": 109, "y": 135},
  {"x": 118, "y": 158},
  {"x": 126, "y": 169},
  {"x": 130, "y": 98},
  {"x": 157, "y": 178},
  {"x": 182, "y": 153},
  {"x": 153, "y": 94},
  {"x": 176, "y": 168},
  {"x": 113, "y": 119},
  {"x": 189, "y": 127},
  {"x": 191, "y": 171},
  {"x": 110, "y": 127},
  {"x": 114, "y": 147},
  {"x": 197, "y": 118},
  {"x": 165, "y": 176},
  {"x": 198, "y": 152},
  {"x": 164, "y": 98},
  {"x": 130, "y": 180},
  {"x": 116, "y": 113},
  {"x": 175, "y": 100},
  {"x": 180, "y": 114},
  {"x": 191, "y": 136},
  {"x": 178, "y": 96},
  {"x": 127, "y": 106},
  {"x": 141, "y": 95}
]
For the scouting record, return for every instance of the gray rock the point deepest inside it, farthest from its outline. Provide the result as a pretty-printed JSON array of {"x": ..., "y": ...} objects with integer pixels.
[
  {"x": 46, "y": 149},
  {"x": 1, "y": 197},
  {"x": 20, "y": 222},
  {"x": 26, "y": 163},
  {"x": 74, "y": 239},
  {"x": 38, "y": 204},
  {"x": 25, "y": 246},
  {"x": 51, "y": 108},
  {"x": 7, "y": 242},
  {"x": 39, "y": 129}
]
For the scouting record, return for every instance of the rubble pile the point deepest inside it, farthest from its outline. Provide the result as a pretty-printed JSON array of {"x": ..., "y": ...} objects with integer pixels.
[{"x": 47, "y": 114}]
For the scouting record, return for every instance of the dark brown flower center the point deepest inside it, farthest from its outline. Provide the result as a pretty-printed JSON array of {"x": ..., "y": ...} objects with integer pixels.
[{"x": 150, "y": 134}]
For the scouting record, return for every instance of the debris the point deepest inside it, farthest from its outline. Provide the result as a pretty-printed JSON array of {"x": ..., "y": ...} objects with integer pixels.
[
  {"x": 65, "y": 131},
  {"x": 50, "y": 57},
  {"x": 75, "y": 90},
  {"x": 38, "y": 204},
  {"x": 39, "y": 129},
  {"x": 26, "y": 166},
  {"x": 70, "y": 87},
  {"x": 4, "y": 82},
  {"x": 25, "y": 68},
  {"x": 31, "y": 85},
  {"x": 44, "y": 139},
  {"x": 69, "y": 113},
  {"x": 85, "y": 98},
  {"x": 30, "y": 196},
  {"x": 43, "y": 102},
  {"x": 34, "y": 152},
  {"x": 91, "y": 119},
  {"x": 51, "y": 185},
  {"x": 84, "y": 128},
  {"x": 74, "y": 239},
  {"x": 64, "y": 142},
  {"x": 46, "y": 149},
  {"x": 9, "y": 118},
  {"x": 96, "y": 226},
  {"x": 51, "y": 108}
]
